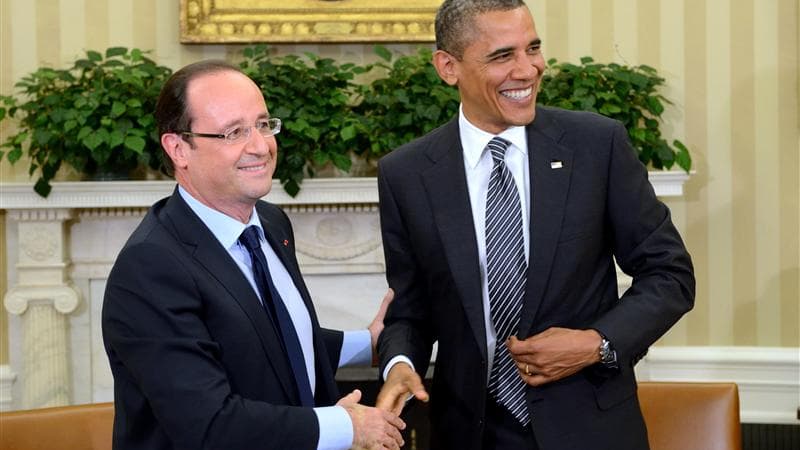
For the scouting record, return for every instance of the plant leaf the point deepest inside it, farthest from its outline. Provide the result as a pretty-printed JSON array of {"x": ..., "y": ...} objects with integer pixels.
[
  {"x": 135, "y": 143},
  {"x": 115, "y": 51},
  {"x": 118, "y": 109}
]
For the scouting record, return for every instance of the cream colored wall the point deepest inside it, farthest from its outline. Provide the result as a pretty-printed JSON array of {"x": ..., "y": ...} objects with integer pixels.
[{"x": 732, "y": 72}]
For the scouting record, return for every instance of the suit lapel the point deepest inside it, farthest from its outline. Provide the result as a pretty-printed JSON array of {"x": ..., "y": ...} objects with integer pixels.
[
  {"x": 446, "y": 185},
  {"x": 209, "y": 253},
  {"x": 550, "y": 167}
]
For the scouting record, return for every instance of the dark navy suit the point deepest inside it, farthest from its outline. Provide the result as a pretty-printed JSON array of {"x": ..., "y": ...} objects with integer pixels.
[{"x": 590, "y": 202}]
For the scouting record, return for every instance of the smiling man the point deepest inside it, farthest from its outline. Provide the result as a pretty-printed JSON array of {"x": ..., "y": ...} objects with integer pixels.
[
  {"x": 500, "y": 231},
  {"x": 210, "y": 331}
]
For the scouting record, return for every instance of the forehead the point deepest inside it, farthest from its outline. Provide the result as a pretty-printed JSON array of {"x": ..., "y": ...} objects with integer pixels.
[
  {"x": 498, "y": 29},
  {"x": 224, "y": 96}
]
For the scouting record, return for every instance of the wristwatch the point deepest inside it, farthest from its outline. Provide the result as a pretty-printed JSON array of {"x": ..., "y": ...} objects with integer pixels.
[{"x": 608, "y": 356}]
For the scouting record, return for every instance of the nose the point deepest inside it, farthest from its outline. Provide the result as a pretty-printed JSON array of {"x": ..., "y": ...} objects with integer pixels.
[
  {"x": 259, "y": 144},
  {"x": 527, "y": 66}
]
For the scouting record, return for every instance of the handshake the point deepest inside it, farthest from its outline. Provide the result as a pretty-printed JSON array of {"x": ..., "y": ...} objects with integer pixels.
[{"x": 379, "y": 427}]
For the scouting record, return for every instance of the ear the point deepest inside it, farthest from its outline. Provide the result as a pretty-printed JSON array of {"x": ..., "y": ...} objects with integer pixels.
[
  {"x": 445, "y": 65},
  {"x": 176, "y": 147}
]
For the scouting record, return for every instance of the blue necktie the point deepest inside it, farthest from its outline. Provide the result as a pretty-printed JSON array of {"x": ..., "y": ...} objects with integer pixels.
[
  {"x": 279, "y": 315},
  {"x": 505, "y": 275}
]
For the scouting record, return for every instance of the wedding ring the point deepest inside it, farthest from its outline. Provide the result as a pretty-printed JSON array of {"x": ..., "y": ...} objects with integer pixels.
[{"x": 527, "y": 370}]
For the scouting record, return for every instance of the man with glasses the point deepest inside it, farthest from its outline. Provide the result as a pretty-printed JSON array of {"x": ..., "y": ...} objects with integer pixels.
[{"x": 209, "y": 328}]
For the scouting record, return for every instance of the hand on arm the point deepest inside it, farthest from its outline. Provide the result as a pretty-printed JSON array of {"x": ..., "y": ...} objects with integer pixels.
[
  {"x": 554, "y": 354},
  {"x": 401, "y": 382},
  {"x": 372, "y": 428},
  {"x": 376, "y": 326}
]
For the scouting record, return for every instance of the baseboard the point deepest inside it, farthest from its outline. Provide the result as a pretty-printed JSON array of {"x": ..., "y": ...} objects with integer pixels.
[{"x": 768, "y": 377}]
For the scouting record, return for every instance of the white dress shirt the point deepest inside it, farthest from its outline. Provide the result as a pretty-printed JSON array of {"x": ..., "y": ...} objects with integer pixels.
[{"x": 478, "y": 168}]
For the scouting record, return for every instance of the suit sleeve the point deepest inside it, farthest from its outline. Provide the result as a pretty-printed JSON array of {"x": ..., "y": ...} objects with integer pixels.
[
  {"x": 168, "y": 366},
  {"x": 408, "y": 329},
  {"x": 647, "y": 247}
]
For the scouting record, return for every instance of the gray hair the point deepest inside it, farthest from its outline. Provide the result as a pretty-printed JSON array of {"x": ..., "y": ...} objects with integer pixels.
[{"x": 455, "y": 19}]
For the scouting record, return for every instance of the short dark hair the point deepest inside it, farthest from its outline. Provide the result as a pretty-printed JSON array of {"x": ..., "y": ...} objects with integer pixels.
[
  {"x": 454, "y": 22},
  {"x": 172, "y": 113}
]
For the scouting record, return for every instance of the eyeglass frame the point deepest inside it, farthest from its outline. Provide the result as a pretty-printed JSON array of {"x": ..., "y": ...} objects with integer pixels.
[{"x": 246, "y": 131}]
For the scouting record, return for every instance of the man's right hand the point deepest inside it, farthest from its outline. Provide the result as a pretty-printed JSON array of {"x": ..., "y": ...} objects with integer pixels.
[
  {"x": 402, "y": 382},
  {"x": 372, "y": 428}
]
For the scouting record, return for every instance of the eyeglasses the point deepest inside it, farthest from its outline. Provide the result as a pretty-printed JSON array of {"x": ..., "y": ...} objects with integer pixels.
[{"x": 267, "y": 127}]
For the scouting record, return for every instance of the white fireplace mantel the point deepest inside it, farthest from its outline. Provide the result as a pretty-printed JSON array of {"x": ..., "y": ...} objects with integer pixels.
[{"x": 315, "y": 191}]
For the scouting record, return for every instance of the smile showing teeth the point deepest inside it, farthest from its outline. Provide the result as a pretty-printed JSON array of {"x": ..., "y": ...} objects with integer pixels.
[
  {"x": 252, "y": 168},
  {"x": 517, "y": 94}
]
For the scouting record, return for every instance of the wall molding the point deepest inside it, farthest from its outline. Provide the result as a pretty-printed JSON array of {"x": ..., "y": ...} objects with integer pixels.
[
  {"x": 768, "y": 377},
  {"x": 350, "y": 191}
]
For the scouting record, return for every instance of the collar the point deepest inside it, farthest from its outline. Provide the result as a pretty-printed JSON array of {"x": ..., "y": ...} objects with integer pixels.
[
  {"x": 225, "y": 228},
  {"x": 474, "y": 140}
]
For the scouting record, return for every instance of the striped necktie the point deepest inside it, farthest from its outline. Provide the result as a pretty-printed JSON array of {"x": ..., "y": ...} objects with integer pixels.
[{"x": 505, "y": 268}]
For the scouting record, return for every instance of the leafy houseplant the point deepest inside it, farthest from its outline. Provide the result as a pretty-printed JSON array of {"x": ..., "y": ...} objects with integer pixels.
[
  {"x": 312, "y": 97},
  {"x": 628, "y": 94},
  {"x": 409, "y": 101},
  {"x": 97, "y": 116}
]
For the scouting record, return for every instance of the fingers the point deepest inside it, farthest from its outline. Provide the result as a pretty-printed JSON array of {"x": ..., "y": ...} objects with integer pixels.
[
  {"x": 394, "y": 420},
  {"x": 387, "y": 299},
  {"x": 373, "y": 428},
  {"x": 376, "y": 326},
  {"x": 393, "y": 431},
  {"x": 392, "y": 399},
  {"x": 517, "y": 347},
  {"x": 418, "y": 389},
  {"x": 350, "y": 399}
]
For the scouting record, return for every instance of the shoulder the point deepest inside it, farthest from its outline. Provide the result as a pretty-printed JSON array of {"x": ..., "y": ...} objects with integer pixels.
[
  {"x": 569, "y": 121},
  {"x": 271, "y": 211},
  {"x": 585, "y": 133},
  {"x": 423, "y": 148}
]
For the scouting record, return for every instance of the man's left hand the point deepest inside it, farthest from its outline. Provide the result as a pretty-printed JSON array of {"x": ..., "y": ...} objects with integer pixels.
[
  {"x": 376, "y": 326},
  {"x": 554, "y": 354}
]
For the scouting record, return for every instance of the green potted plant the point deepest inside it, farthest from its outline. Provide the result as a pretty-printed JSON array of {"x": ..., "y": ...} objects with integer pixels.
[
  {"x": 628, "y": 94},
  {"x": 407, "y": 102},
  {"x": 96, "y": 116}
]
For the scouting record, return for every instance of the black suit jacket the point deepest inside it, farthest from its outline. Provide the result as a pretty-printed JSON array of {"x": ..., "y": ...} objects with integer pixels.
[
  {"x": 597, "y": 206},
  {"x": 196, "y": 362}
]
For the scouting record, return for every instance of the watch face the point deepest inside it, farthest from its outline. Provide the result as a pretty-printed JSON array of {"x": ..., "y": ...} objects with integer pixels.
[{"x": 607, "y": 356}]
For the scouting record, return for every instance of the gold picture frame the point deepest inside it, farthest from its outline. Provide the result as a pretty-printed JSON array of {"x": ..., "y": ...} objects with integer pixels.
[{"x": 294, "y": 21}]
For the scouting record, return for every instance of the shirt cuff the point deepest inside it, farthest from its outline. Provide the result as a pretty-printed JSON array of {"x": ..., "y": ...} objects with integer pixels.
[
  {"x": 335, "y": 428},
  {"x": 356, "y": 349},
  {"x": 395, "y": 360}
]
